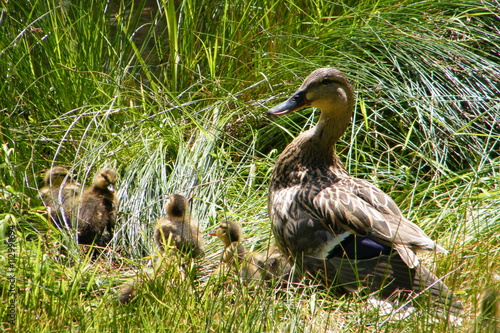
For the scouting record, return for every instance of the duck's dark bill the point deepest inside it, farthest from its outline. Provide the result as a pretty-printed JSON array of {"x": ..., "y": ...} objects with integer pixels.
[{"x": 297, "y": 101}]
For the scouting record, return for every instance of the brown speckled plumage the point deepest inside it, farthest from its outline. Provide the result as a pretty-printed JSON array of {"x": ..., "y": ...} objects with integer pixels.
[
  {"x": 179, "y": 227},
  {"x": 316, "y": 206}
]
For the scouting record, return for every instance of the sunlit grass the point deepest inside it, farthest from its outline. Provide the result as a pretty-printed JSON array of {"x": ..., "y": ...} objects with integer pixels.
[{"x": 174, "y": 99}]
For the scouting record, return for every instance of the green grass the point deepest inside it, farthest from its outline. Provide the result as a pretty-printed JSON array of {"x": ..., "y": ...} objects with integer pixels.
[{"x": 175, "y": 98}]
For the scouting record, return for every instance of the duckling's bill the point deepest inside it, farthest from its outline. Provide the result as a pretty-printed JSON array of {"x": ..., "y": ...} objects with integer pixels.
[{"x": 297, "y": 101}]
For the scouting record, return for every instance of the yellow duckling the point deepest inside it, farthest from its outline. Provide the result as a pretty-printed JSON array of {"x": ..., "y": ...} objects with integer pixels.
[{"x": 249, "y": 266}]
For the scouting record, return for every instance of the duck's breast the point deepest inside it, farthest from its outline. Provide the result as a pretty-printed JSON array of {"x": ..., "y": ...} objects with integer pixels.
[{"x": 296, "y": 231}]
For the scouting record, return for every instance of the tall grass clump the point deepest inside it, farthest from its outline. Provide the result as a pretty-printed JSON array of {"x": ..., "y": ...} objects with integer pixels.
[{"x": 173, "y": 94}]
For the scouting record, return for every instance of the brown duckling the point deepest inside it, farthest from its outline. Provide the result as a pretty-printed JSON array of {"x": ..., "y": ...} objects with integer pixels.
[
  {"x": 488, "y": 320},
  {"x": 128, "y": 292},
  {"x": 97, "y": 210},
  {"x": 178, "y": 229},
  {"x": 250, "y": 266},
  {"x": 60, "y": 195},
  {"x": 130, "y": 289},
  {"x": 276, "y": 265},
  {"x": 340, "y": 229}
]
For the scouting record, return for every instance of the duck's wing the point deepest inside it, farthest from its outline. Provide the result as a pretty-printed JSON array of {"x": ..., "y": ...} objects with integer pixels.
[{"x": 359, "y": 207}]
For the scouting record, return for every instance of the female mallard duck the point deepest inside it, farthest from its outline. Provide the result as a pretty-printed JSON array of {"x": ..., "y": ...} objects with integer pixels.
[
  {"x": 341, "y": 229},
  {"x": 96, "y": 213},
  {"x": 179, "y": 228},
  {"x": 250, "y": 266},
  {"x": 60, "y": 195}
]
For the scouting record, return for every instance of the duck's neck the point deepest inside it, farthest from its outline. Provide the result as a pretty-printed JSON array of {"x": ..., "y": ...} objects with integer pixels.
[
  {"x": 323, "y": 137},
  {"x": 329, "y": 129}
]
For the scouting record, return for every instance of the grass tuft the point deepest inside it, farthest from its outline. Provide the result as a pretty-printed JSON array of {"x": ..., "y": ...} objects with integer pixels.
[{"x": 172, "y": 94}]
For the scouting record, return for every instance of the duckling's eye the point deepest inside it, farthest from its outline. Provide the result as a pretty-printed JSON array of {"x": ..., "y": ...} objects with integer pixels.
[{"x": 326, "y": 81}]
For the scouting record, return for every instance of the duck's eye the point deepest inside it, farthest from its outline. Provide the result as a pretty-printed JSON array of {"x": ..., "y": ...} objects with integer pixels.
[{"x": 326, "y": 81}]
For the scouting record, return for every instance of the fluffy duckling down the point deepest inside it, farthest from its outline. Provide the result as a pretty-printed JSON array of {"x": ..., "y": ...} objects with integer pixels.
[
  {"x": 97, "y": 209},
  {"x": 249, "y": 266},
  {"x": 60, "y": 195},
  {"x": 179, "y": 229}
]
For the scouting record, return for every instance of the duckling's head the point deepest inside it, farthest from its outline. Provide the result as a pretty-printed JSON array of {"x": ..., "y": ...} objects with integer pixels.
[
  {"x": 55, "y": 176},
  {"x": 228, "y": 232},
  {"x": 327, "y": 89},
  {"x": 176, "y": 206},
  {"x": 105, "y": 179}
]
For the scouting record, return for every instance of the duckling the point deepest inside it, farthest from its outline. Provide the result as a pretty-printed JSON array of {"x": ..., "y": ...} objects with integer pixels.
[
  {"x": 179, "y": 227},
  {"x": 60, "y": 195},
  {"x": 97, "y": 209},
  {"x": 340, "y": 229},
  {"x": 489, "y": 310},
  {"x": 128, "y": 291},
  {"x": 276, "y": 265},
  {"x": 250, "y": 266}
]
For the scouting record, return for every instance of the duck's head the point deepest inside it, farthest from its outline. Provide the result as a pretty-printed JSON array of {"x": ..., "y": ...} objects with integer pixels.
[
  {"x": 55, "y": 176},
  {"x": 105, "y": 179},
  {"x": 327, "y": 89},
  {"x": 228, "y": 232},
  {"x": 176, "y": 206}
]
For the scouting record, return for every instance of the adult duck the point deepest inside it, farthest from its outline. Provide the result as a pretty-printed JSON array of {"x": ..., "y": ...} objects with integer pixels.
[{"x": 335, "y": 227}]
